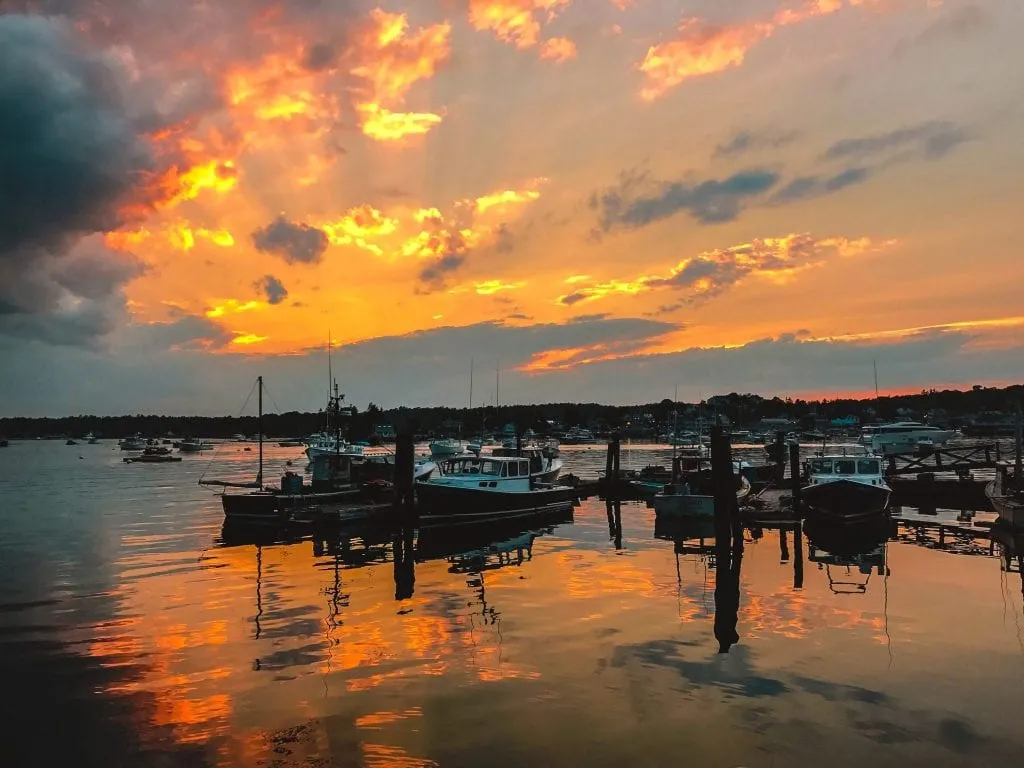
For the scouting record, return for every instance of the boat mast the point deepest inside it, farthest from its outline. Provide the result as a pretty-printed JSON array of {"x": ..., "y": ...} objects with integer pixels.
[
  {"x": 471, "y": 383},
  {"x": 497, "y": 383},
  {"x": 874, "y": 364},
  {"x": 259, "y": 425},
  {"x": 330, "y": 383},
  {"x": 675, "y": 430}
]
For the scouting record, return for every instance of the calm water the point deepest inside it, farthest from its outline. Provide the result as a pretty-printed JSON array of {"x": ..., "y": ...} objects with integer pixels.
[{"x": 131, "y": 635}]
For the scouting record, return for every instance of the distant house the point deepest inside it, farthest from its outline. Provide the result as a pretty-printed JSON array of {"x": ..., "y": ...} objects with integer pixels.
[
  {"x": 844, "y": 422},
  {"x": 385, "y": 432}
]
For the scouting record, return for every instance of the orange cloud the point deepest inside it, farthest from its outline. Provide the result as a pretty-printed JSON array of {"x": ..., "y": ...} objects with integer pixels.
[
  {"x": 245, "y": 339},
  {"x": 517, "y": 22},
  {"x": 390, "y": 61},
  {"x": 712, "y": 272},
  {"x": 558, "y": 49},
  {"x": 233, "y": 306},
  {"x": 360, "y": 226},
  {"x": 705, "y": 49},
  {"x": 183, "y": 237}
]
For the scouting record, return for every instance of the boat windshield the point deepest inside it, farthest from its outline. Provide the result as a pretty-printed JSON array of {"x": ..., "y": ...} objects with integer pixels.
[
  {"x": 821, "y": 466},
  {"x": 845, "y": 466},
  {"x": 868, "y": 467},
  {"x": 475, "y": 467}
]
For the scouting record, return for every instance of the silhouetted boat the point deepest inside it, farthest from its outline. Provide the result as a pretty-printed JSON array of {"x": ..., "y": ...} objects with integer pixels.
[
  {"x": 153, "y": 455},
  {"x": 845, "y": 488},
  {"x": 488, "y": 486}
]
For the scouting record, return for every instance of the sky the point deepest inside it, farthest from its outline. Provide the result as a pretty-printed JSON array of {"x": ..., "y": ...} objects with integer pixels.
[{"x": 584, "y": 200}]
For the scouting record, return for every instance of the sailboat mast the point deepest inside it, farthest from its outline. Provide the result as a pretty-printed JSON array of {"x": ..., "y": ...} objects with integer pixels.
[
  {"x": 497, "y": 384},
  {"x": 471, "y": 383},
  {"x": 259, "y": 425},
  {"x": 874, "y": 364},
  {"x": 330, "y": 382}
]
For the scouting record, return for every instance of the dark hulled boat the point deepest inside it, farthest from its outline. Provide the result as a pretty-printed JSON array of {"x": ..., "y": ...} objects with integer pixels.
[
  {"x": 471, "y": 487},
  {"x": 845, "y": 488}
]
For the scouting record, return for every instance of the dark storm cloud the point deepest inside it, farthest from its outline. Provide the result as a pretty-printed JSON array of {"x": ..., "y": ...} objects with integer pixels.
[
  {"x": 295, "y": 242},
  {"x": 68, "y": 152},
  {"x": 805, "y": 187},
  {"x": 271, "y": 288},
  {"x": 749, "y": 140},
  {"x": 931, "y": 140},
  {"x": 183, "y": 333},
  {"x": 635, "y": 202},
  {"x": 70, "y": 159}
]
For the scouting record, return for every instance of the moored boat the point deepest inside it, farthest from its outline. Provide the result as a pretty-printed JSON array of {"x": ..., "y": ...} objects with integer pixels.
[
  {"x": 845, "y": 488},
  {"x": 472, "y": 487},
  {"x": 133, "y": 443},
  {"x": 1007, "y": 497},
  {"x": 193, "y": 445},
  {"x": 445, "y": 448},
  {"x": 152, "y": 455}
]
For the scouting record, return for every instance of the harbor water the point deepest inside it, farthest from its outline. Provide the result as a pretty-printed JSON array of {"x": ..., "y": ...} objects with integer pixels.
[{"x": 132, "y": 632}]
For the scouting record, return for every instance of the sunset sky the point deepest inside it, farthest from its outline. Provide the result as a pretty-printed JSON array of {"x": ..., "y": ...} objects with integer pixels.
[{"x": 605, "y": 198}]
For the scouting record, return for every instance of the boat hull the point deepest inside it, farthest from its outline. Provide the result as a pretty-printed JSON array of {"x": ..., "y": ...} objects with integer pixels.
[
  {"x": 274, "y": 507},
  {"x": 683, "y": 505},
  {"x": 845, "y": 501},
  {"x": 439, "y": 501},
  {"x": 1009, "y": 509}
]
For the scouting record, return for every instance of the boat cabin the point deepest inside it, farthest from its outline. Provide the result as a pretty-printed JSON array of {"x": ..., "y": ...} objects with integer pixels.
[
  {"x": 499, "y": 472},
  {"x": 862, "y": 469},
  {"x": 331, "y": 471}
]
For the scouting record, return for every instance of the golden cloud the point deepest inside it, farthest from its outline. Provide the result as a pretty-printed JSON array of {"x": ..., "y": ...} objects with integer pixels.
[
  {"x": 558, "y": 49},
  {"x": 360, "y": 226},
  {"x": 233, "y": 306},
  {"x": 712, "y": 272},
  {"x": 517, "y": 22},
  {"x": 705, "y": 49},
  {"x": 390, "y": 60}
]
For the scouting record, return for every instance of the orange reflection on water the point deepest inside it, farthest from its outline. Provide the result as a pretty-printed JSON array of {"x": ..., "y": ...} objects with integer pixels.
[
  {"x": 384, "y": 756},
  {"x": 376, "y": 720}
]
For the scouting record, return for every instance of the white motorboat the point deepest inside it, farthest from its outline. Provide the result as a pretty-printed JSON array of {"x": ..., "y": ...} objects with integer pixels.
[
  {"x": 903, "y": 436},
  {"x": 445, "y": 448},
  {"x": 473, "y": 487},
  {"x": 845, "y": 488},
  {"x": 133, "y": 443}
]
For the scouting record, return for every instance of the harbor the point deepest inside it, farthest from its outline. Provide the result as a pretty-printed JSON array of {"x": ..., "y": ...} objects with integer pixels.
[{"x": 630, "y": 633}]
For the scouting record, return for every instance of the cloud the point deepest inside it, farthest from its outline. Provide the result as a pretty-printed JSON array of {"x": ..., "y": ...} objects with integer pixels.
[
  {"x": 954, "y": 25},
  {"x": 517, "y": 22},
  {"x": 930, "y": 140},
  {"x": 295, "y": 242},
  {"x": 713, "y": 272},
  {"x": 389, "y": 61},
  {"x": 702, "y": 48},
  {"x": 190, "y": 332},
  {"x": 806, "y": 187},
  {"x": 272, "y": 288},
  {"x": 709, "y": 201},
  {"x": 558, "y": 50},
  {"x": 433, "y": 275},
  {"x": 748, "y": 140},
  {"x": 72, "y": 168}
]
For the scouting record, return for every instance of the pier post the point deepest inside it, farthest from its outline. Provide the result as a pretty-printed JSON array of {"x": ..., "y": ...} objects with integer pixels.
[
  {"x": 780, "y": 458},
  {"x": 724, "y": 484},
  {"x": 617, "y": 468},
  {"x": 611, "y": 463},
  {"x": 1018, "y": 449},
  {"x": 798, "y": 559},
  {"x": 783, "y": 545},
  {"x": 794, "y": 471},
  {"x": 404, "y": 460}
]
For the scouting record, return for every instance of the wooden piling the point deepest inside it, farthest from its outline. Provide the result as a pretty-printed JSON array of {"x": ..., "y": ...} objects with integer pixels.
[
  {"x": 403, "y": 480},
  {"x": 795, "y": 479},
  {"x": 724, "y": 484},
  {"x": 798, "y": 560},
  {"x": 612, "y": 462}
]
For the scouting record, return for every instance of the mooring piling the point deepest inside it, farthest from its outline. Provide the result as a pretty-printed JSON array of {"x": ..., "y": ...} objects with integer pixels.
[{"x": 404, "y": 461}]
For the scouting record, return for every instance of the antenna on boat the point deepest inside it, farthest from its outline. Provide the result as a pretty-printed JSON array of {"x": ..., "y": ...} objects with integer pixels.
[{"x": 259, "y": 426}]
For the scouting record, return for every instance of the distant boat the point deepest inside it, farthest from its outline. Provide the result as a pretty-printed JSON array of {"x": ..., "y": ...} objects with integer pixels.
[
  {"x": 290, "y": 443},
  {"x": 194, "y": 445},
  {"x": 70, "y": 442},
  {"x": 577, "y": 436},
  {"x": 445, "y": 448},
  {"x": 91, "y": 439},
  {"x": 845, "y": 488},
  {"x": 903, "y": 437},
  {"x": 134, "y": 443},
  {"x": 153, "y": 455}
]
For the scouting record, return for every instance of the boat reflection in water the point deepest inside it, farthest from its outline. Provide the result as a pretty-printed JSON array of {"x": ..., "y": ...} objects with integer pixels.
[{"x": 855, "y": 551}]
